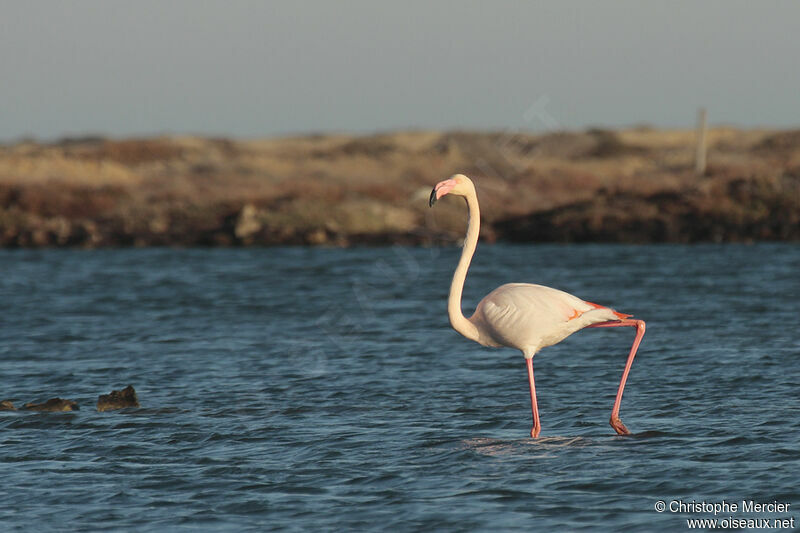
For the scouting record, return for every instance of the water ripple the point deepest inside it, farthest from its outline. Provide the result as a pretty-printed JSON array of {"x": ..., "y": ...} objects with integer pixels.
[{"x": 292, "y": 389}]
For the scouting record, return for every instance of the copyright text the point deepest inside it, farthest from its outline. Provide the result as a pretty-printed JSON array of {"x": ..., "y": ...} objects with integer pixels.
[{"x": 722, "y": 511}]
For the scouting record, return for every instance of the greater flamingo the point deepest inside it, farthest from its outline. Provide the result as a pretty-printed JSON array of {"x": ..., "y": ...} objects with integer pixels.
[{"x": 525, "y": 316}]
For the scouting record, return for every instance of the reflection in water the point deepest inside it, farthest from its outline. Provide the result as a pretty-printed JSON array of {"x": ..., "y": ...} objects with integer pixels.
[{"x": 534, "y": 448}]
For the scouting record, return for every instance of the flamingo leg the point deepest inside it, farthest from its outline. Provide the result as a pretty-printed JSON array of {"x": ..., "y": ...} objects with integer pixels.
[
  {"x": 616, "y": 423},
  {"x": 534, "y": 408}
]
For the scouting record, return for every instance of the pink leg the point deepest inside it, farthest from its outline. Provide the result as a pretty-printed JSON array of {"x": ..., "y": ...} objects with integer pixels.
[
  {"x": 616, "y": 423},
  {"x": 536, "y": 426}
]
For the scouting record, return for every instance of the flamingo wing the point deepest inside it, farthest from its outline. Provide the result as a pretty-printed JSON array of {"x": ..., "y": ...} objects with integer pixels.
[{"x": 530, "y": 317}]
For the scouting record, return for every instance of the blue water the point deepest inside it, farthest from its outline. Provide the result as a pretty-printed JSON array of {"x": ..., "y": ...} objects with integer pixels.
[{"x": 323, "y": 389}]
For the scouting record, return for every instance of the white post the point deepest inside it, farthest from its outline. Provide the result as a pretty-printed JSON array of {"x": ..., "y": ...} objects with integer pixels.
[{"x": 700, "y": 154}]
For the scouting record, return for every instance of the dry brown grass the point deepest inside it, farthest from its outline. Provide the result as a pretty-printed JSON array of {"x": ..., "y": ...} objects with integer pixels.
[{"x": 329, "y": 188}]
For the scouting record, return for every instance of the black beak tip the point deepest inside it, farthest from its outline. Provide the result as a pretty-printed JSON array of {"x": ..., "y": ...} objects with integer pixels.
[{"x": 432, "y": 199}]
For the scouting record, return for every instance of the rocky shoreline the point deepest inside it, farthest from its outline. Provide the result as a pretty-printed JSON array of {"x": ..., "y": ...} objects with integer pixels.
[{"x": 635, "y": 185}]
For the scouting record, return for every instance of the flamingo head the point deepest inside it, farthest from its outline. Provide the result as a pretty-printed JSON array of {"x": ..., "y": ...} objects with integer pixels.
[{"x": 458, "y": 184}]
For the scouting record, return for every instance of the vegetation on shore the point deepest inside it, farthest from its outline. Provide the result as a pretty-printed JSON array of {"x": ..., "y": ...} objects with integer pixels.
[{"x": 635, "y": 185}]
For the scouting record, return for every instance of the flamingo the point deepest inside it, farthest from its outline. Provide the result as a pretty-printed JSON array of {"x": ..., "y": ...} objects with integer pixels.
[{"x": 522, "y": 315}]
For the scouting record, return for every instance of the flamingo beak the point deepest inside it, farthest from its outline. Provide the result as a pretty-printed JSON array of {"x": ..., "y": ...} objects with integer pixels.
[{"x": 441, "y": 188}]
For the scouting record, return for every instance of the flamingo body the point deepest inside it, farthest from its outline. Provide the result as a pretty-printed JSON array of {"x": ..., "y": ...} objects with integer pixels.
[
  {"x": 531, "y": 317},
  {"x": 525, "y": 316}
]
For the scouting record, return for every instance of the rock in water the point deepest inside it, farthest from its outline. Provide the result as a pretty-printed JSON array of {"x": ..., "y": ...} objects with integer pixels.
[
  {"x": 53, "y": 405},
  {"x": 118, "y": 399},
  {"x": 6, "y": 405}
]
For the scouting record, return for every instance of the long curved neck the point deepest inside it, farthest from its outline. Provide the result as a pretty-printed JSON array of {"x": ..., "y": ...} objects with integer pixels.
[{"x": 457, "y": 319}]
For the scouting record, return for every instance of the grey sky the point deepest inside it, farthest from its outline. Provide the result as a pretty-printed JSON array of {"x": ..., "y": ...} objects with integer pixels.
[{"x": 252, "y": 69}]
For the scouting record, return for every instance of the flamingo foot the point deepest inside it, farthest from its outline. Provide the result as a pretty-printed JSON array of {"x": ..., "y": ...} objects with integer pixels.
[
  {"x": 535, "y": 431},
  {"x": 618, "y": 426}
]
